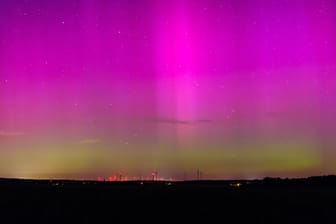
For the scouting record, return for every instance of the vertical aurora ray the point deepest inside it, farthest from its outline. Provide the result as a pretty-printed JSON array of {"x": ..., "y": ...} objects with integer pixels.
[{"x": 176, "y": 68}]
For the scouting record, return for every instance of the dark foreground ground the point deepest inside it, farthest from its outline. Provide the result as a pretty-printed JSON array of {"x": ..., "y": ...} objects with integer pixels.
[{"x": 311, "y": 200}]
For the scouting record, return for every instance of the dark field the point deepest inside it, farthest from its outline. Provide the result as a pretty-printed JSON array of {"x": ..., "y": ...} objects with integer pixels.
[{"x": 311, "y": 200}]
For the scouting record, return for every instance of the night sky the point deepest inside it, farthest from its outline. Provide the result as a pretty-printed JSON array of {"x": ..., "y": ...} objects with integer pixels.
[{"x": 235, "y": 88}]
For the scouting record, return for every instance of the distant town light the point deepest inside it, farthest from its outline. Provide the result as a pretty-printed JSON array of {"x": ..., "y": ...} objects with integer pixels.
[{"x": 236, "y": 184}]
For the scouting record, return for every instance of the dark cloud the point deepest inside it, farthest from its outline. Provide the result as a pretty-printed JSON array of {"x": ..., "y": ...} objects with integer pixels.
[
  {"x": 7, "y": 134},
  {"x": 176, "y": 121},
  {"x": 273, "y": 114}
]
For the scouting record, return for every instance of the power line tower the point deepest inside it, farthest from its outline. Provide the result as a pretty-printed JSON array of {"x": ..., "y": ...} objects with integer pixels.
[{"x": 155, "y": 175}]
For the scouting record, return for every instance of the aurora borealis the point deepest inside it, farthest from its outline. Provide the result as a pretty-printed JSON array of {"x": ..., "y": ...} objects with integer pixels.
[{"x": 235, "y": 88}]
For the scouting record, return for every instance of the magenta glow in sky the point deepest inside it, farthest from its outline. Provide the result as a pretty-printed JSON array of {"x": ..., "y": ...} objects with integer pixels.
[{"x": 234, "y": 88}]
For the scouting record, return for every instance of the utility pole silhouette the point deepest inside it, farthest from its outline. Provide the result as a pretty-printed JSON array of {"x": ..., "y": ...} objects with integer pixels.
[{"x": 199, "y": 174}]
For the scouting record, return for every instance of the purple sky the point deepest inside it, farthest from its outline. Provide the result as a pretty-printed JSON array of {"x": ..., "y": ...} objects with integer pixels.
[{"x": 235, "y": 88}]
